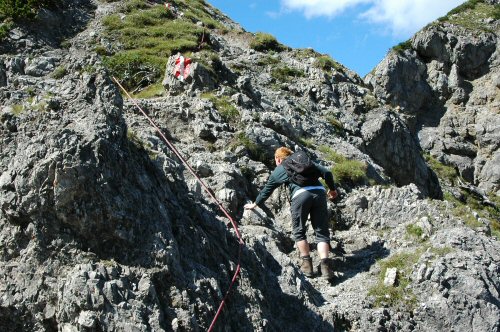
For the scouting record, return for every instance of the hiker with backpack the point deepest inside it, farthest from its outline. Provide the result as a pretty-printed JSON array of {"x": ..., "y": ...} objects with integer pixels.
[{"x": 308, "y": 197}]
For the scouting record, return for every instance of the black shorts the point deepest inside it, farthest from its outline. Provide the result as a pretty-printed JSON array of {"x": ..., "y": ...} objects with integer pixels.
[{"x": 311, "y": 203}]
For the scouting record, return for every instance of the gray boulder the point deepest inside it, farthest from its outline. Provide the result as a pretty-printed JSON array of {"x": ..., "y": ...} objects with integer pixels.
[{"x": 389, "y": 142}]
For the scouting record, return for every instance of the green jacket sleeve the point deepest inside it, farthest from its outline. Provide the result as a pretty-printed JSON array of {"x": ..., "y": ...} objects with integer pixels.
[
  {"x": 327, "y": 175},
  {"x": 276, "y": 179}
]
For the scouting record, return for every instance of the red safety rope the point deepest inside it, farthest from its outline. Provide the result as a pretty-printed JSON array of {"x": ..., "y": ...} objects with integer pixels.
[{"x": 235, "y": 226}]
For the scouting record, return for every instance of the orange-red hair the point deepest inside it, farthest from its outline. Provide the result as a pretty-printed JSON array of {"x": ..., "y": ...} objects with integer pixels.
[{"x": 282, "y": 153}]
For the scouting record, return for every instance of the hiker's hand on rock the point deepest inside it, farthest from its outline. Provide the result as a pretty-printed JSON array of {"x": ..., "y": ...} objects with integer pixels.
[
  {"x": 332, "y": 194},
  {"x": 250, "y": 206}
]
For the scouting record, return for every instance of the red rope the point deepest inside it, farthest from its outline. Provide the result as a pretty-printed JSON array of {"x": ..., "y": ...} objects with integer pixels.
[{"x": 235, "y": 226}]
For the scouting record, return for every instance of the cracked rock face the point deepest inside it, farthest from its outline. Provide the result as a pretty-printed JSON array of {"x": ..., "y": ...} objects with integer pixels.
[
  {"x": 447, "y": 82},
  {"x": 102, "y": 228}
]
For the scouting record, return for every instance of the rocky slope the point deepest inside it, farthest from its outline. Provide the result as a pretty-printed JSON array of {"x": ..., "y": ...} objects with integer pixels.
[
  {"x": 447, "y": 86},
  {"x": 103, "y": 229}
]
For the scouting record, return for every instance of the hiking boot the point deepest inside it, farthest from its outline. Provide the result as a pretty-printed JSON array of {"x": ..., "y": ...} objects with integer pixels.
[
  {"x": 326, "y": 269},
  {"x": 306, "y": 266}
]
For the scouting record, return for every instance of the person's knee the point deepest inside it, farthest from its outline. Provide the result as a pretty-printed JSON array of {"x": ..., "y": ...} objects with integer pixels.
[
  {"x": 323, "y": 237},
  {"x": 299, "y": 236}
]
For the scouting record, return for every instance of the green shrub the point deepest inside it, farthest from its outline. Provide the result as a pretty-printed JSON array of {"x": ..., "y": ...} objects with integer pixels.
[
  {"x": 4, "y": 29},
  {"x": 265, "y": 42},
  {"x": 306, "y": 53},
  {"x": 134, "y": 5},
  {"x": 345, "y": 171},
  {"x": 59, "y": 72},
  {"x": 370, "y": 101},
  {"x": 350, "y": 172},
  {"x": 101, "y": 50},
  {"x": 17, "y": 109},
  {"x": 24, "y": 9},
  {"x": 307, "y": 142},
  {"x": 127, "y": 66},
  {"x": 414, "y": 231},
  {"x": 401, "y": 47},
  {"x": 268, "y": 60},
  {"x": 224, "y": 106},
  {"x": 285, "y": 74},
  {"x": 335, "y": 123},
  {"x": 326, "y": 63}
]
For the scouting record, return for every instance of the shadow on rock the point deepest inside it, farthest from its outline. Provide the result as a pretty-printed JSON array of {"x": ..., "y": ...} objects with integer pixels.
[{"x": 358, "y": 261}]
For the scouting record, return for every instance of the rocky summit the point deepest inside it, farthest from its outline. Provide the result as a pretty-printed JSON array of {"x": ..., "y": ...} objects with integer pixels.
[{"x": 103, "y": 227}]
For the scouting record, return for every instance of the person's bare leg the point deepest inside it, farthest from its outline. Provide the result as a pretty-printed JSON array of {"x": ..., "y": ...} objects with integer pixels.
[
  {"x": 323, "y": 249},
  {"x": 303, "y": 246}
]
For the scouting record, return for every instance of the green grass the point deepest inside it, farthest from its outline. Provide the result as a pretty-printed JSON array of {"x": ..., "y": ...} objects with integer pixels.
[
  {"x": 24, "y": 9},
  {"x": 441, "y": 251},
  {"x": 485, "y": 211},
  {"x": 350, "y": 172},
  {"x": 399, "y": 295},
  {"x": 401, "y": 47},
  {"x": 370, "y": 101},
  {"x": 141, "y": 144},
  {"x": 59, "y": 72},
  {"x": 444, "y": 172},
  {"x": 330, "y": 155},
  {"x": 150, "y": 35},
  {"x": 286, "y": 74},
  {"x": 304, "y": 53},
  {"x": 224, "y": 106},
  {"x": 255, "y": 151},
  {"x": 264, "y": 42},
  {"x": 326, "y": 63},
  {"x": 495, "y": 222},
  {"x": 345, "y": 171},
  {"x": 5, "y": 28},
  {"x": 335, "y": 123},
  {"x": 152, "y": 91},
  {"x": 210, "y": 60},
  {"x": 414, "y": 231},
  {"x": 307, "y": 142},
  {"x": 17, "y": 109},
  {"x": 472, "y": 14},
  {"x": 268, "y": 61},
  {"x": 462, "y": 211}
]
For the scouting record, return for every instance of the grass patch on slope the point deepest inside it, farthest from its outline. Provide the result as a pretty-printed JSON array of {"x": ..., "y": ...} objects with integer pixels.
[
  {"x": 465, "y": 208},
  {"x": 346, "y": 171},
  {"x": 26, "y": 9},
  {"x": 224, "y": 106},
  {"x": 326, "y": 63},
  {"x": 264, "y": 42},
  {"x": 444, "y": 172},
  {"x": 399, "y": 295},
  {"x": 149, "y": 34},
  {"x": 286, "y": 74},
  {"x": 472, "y": 14}
]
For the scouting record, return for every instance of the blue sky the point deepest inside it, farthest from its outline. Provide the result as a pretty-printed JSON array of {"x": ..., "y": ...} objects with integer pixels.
[{"x": 356, "y": 33}]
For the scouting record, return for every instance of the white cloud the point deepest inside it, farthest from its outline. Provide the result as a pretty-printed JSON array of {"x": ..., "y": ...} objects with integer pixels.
[
  {"x": 312, "y": 8},
  {"x": 401, "y": 17}
]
